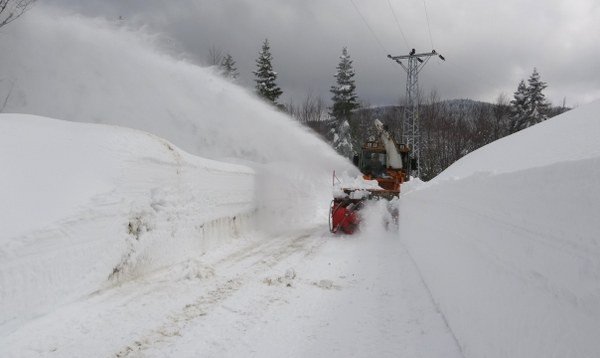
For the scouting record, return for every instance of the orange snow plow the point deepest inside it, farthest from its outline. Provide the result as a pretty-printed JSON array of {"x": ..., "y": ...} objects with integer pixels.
[{"x": 380, "y": 160}]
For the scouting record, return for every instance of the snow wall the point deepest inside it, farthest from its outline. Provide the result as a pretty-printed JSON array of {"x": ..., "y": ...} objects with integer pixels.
[
  {"x": 92, "y": 70},
  {"x": 508, "y": 241},
  {"x": 85, "y": 206},
  {"x": 78, "y": 196}
]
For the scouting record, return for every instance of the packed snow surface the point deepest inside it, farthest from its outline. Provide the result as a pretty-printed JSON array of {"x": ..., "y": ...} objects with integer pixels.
[
  {"x": 304, "y": 293},
  {"x": 508, "y": 241}
]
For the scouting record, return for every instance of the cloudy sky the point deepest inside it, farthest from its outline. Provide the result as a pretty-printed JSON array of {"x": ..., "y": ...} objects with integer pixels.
[{"x": 489, "y": 45}]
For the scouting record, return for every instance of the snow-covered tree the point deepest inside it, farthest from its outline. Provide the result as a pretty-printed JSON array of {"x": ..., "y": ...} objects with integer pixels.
[
  {"x": 344, "y": 91},
  {"x": 342, "y": 139},
  {"x": 519, "y": 108},
  {"x": 529, "y": 105},
  {"x": 228, "y": 69},
  {"x": 538, "y": 106},
  {"x": 265, "y": 76}
]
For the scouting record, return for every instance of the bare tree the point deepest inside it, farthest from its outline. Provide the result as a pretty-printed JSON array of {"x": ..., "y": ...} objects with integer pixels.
[
  {"x": 10, "y": 10},
  {"x": 432, "y": 121},
  {"x": 311, "y": 109},
  {"x": 7, "y": 97},
  {"x": 501, "y": 112},
  {"x": 215, "y": 55}
]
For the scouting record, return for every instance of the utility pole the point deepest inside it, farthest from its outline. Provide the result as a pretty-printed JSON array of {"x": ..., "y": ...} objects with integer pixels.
[{"x": 410, "y": 125}]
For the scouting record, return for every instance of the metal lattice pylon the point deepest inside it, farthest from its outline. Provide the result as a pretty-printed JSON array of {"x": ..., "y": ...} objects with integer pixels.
[{"x": 411, "y": 135}]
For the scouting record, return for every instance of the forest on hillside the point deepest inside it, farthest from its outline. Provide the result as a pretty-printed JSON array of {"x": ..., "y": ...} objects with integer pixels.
[{"x": 450, "y": 129}]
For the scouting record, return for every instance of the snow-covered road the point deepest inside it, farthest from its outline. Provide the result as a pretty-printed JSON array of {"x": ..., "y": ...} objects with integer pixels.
[{"x": 306, "y": 293}]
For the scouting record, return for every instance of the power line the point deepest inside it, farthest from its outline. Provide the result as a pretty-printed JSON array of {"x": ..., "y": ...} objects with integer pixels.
[
  {"x": 369, "y": 27},
  {"x": 398, "y": 23},
  {"x": 428, "y": 27},
  {"x": 466, "y": 71}
]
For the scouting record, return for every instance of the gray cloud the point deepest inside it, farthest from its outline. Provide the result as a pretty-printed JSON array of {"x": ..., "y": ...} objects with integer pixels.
[{"x": 489, "y": 45}]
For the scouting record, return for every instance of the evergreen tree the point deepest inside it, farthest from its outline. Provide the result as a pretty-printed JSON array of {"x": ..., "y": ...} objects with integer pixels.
[
  {"x": 342, "y": 139},
  {"x": 265, "y": 76},
  {"x": 519, "y": 108},
  {"x": 538, "y": 106},
  {"x": 344, "y": 91},
  {"x": 529, "y": 105},
  {"x": 228, "y": 69}
]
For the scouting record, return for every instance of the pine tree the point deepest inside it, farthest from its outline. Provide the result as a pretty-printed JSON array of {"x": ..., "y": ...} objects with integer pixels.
[
  {"x": 519, "y": 108},
  {"x": 342, "y": 139},
  {"x": 344, "y": 91},
  {"x": 538, "y": 106},
  {"x": 265, "y": 76},
  {"x": 529, "y": 105},
  {"x": 228, "y": 69}
]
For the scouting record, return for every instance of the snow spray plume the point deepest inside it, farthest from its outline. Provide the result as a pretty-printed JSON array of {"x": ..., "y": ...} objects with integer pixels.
[{"x": 93, "y": 70}]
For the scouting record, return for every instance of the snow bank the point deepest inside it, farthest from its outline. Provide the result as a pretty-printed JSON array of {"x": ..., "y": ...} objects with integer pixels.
[
  {"x": 92, "y": 70},
  {"x": 510, "y": 249},
  {"x": 85, "y": 206},
  {"x": 569, "y": 137}
]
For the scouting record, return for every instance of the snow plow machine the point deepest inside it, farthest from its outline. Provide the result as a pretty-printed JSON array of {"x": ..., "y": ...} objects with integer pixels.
[{"x": 381, "y": 159}]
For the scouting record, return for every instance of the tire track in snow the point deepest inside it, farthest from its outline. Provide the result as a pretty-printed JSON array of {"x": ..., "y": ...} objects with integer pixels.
[{"x": 258, "y": 257}]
